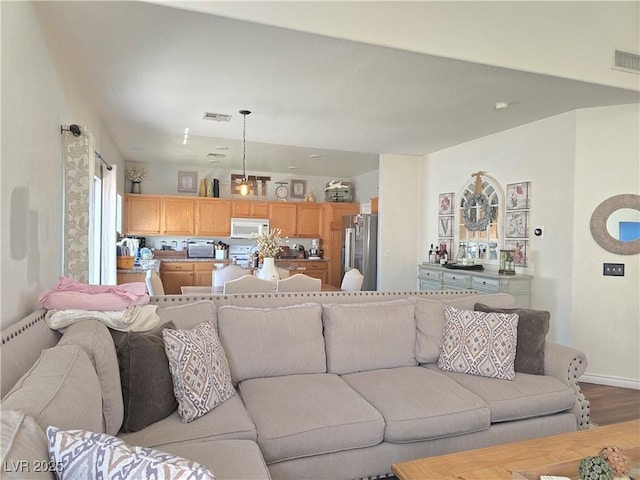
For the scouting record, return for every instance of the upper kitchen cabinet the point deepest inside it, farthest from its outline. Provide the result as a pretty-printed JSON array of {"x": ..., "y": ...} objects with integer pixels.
[
  {"x": 309, "y": 220},
  {"x": 178, "y": 215},
  {"x": 143, "y": 214},
  {"x": 151, "y": 215},
  {"x": 249, "y": 209},
  {"x": 282, "y": 215},
  {"x": 213, "y": 217},
  {"x": 333, "y": 213}
]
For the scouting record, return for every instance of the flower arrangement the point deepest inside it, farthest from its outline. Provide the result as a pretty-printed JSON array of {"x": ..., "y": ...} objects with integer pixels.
[
  {"x": 269, "y": 243},
  {"x": 135, "y": 174}
]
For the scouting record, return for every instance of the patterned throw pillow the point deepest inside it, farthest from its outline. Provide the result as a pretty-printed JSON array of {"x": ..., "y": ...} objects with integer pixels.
[
  {"x": 479, "y": 343},
  {"x": 78, "y": 454},
  {"x": 199, "y": 368}
]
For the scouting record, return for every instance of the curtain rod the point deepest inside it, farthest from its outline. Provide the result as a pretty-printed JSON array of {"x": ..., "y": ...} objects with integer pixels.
[{"x": 109, "y": 167}]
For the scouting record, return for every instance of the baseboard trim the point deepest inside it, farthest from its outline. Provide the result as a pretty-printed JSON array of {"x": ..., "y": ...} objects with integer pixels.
[{"x": 611, "y": 381}]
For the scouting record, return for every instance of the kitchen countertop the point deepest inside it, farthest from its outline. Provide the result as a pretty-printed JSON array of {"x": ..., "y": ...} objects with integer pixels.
[{"x": 146, "y": 265}]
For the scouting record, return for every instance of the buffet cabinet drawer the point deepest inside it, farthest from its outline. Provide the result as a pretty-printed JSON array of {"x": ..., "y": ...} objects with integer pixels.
[
  {"x": 428, "y": 274},
  {"x": 457, "y": 280},
  {"x": 486, "y": 284}
]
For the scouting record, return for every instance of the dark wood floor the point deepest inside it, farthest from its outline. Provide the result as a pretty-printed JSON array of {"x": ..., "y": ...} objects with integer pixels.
[{"x": 611, "y": 404}]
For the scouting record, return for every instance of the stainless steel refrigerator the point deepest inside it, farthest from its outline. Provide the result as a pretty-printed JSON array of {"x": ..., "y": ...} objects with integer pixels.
[{"x": 360, "y": 247}]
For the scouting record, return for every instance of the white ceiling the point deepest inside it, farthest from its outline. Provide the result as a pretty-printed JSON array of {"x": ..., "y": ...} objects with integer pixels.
[{"x": 153, "y": 71}]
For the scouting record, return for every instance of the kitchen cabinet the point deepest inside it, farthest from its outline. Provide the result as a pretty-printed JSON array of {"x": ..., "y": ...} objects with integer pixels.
[
  {"x": 129, "y": 277},
  {"x": 143, "y": 214},
  {"x": 212, "y": 217},
  {"x": 312, "y": 268},
  {"x": 435, "y": 277},
  {"x": 249, "y": 209},
  {"x": 203, "y": 273},
  {"x": 283, "y": 215},
  {"x": 309, "y": 220},
  {"x": 175, "y": 275},
  {"x": 177, "y": 216},
  {"x": 332, "y": 214}
]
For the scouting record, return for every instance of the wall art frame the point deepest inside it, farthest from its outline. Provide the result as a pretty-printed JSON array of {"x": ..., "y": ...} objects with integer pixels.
[
  {"x": 518, "y": 196},
  {"x": 517, "y": 224},
  {"x": 188, "y": 182},
  {"x": 445, "y": 226},
  {"x": 445, "y": 204},
  {"x": 298, "y": 188},
  {"x": 521, "y": 248}
]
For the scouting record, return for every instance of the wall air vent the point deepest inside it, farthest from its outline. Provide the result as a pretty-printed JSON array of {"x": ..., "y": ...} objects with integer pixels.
[
  {"x": 626, "y": 61},
  {"x": 215, "y": 157},
  {"x": 218, "y": 117}
]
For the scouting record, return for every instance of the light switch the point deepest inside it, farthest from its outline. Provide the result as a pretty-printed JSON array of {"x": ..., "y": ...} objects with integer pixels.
[{"x": 613, "y": 269}]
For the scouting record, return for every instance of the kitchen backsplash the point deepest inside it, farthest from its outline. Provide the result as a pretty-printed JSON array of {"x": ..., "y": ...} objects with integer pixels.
[{"x": 156, "y": 242}]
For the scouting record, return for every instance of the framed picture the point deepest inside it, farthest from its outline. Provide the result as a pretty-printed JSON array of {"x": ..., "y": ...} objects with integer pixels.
[
  {"x": 445, "y": 226},
  {"x": 518, "y": 196},
  {"x": 298, "y": 188},
  {"x": 517, "y": 224},
  {"x": 446, "y": 204},
  {"x": 188, "y": 182},
  {"x": 521, "y": 248}
]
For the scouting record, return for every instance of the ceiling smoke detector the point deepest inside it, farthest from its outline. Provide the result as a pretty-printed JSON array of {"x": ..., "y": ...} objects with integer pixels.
[
  {"x": 218, "y": 117},
  {"x": 502, "y": 105}
]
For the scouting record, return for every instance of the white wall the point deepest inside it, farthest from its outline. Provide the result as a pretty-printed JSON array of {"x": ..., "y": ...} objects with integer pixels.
[
  {"x": 573, "y": 161},
  {"x": 606, "y": 309},
  {"x": 398, "y": 221},
  {"x": 37, "y": 97},
  {"x": 366, "y": 186}
]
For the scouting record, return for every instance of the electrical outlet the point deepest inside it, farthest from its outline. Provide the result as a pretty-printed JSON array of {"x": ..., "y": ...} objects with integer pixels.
[
  {"x": 613, "y": 269},
  {"x": 387, "y": 252}
]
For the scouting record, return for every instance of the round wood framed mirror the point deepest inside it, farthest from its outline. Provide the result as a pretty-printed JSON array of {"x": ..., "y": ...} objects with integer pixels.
[{"x": 608, "y": 240}]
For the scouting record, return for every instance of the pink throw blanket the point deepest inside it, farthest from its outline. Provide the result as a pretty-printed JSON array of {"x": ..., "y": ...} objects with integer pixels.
[{"x": 71, "y": 294}]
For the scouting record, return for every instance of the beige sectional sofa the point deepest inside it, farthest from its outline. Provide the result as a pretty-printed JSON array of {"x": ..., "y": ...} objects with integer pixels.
[{"x": 328, "y": 386}]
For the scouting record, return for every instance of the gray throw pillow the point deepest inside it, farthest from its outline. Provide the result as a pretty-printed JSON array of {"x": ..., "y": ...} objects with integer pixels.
[
  {"x": 533, "y": 326},
  {"x": 147, "y": 386}
]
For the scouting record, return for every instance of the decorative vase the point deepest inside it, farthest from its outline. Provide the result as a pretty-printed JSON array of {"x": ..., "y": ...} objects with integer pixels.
[
  {"x": 209, "y": 188},
  {"x": 135, "y": 187},
  {"x": 203, "y": 188},
  {"x": 268, "y": 271}
]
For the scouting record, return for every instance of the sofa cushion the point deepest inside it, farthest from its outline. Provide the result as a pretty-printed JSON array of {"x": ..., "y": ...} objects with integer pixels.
[
  {"x": 23, "y": 445},
  {"x": 430, "y": 319},
  {"x": 228, "y": 459},
  {"x": 199, "y": 368},
  {"x": 303, "y": 415},
  {"x": 61, "y": 389},
  {"x": 533, "y": 326},
  {"x": 189, "y": 315},
  {"x": 94, "y": 337},
  {"x": 368, "y": 336},
  {"x": 147, "y": 386},
  {"x": 270, "y": 342},
  {"x": 419, "y": 404},
  {"x": 84, "y": 455},
  {"x": 525, "y": 396},
  {"x": 229, "y": 420},
  {"x": 479, "y": 343}
]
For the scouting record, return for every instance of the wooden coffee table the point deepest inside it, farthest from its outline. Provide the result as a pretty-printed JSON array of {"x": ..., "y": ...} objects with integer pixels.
[{"x": 501, "y": 461}]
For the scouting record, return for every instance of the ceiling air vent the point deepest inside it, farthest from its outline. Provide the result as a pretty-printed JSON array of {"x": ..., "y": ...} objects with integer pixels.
[
  {"x": 218, "y": 117},
  {"x": 626, "y": 61}
]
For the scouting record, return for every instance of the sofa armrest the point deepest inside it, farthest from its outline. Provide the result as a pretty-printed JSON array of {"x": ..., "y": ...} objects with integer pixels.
[{"x": 567, "y": 364}]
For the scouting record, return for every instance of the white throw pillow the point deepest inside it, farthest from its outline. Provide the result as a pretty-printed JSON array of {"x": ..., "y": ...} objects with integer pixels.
[
  {"x": 78, "y": 454},
  {"x": 199, "y": 368},
  {"x": 479, "y": 343}
]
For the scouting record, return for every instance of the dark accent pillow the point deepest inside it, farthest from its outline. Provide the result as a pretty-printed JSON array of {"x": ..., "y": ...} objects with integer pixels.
[
  {"x": 533, "y": 326},
  {"x": 147, "y": 385}
]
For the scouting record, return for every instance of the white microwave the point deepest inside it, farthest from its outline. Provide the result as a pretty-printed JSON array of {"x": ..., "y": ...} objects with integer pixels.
[{"x": 248, "y": 227}]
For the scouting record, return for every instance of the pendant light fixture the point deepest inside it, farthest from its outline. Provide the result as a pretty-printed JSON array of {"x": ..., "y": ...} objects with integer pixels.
[{"x": 244, "y": 186}]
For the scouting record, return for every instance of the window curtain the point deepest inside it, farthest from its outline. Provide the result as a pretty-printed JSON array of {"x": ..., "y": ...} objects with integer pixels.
[
  {"x": 108, "y": 243},
  {"x": 79, "y": 167}
]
